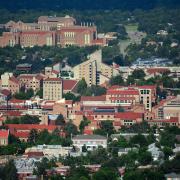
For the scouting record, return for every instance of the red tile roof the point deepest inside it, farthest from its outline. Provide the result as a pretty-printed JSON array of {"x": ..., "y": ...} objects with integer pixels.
[
  {"x": 88, "y": 132},
  {"x": 157, "y": 70},
  {"x": 6, "y": 92},
  {"x": 55, "y": 72},
  {"x": 152, "y": 87},
  {"x": 4, "y": 133},
  {"x": 21, "y": 134},
  {"x": 69, "y": 84},
  {"x": 34, "y": 154},
  {"x": 93, "y": 98},
  {"x": 69, "y": 102},
  {"x": 31, "y": 126},
  {"x": 122, "y": 92},
  {"x": 16, "y": 101},
  {"x": 30, "y": 76},
  {"x": 128, "y": 115},
  {"x": 13, "y": 113},
  {"x": 13, "y": 79},
  {"x": 53, "y": 79},
  {"x": 122, "y": 98}
]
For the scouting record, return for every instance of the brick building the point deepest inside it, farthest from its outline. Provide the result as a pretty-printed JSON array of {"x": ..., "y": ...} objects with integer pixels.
[
  {"x": 145, "y": 95},
  {"x": 31, "y": 81},
  {"x": 77, "y": 35},
  {"x": 4, "y": 135},
  {"x": 37, "y": 38},
  {"x": 50, "y": 31}
]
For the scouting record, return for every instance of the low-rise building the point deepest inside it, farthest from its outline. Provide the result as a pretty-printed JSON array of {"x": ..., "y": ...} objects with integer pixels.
[
  {"x": 91, "y": 142},
  {"x": 4, "y": 135},
  {"x": 155, "y": 152},
  {"x": 31, "y": 81},
  {"x": 9, "y": 82},
  {"x": 49, "y": 151}
]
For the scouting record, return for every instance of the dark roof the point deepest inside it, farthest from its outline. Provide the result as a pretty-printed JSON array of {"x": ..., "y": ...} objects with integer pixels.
[
  {"x": 172, "y": 175},
  {"x": 89, "y": 137}
]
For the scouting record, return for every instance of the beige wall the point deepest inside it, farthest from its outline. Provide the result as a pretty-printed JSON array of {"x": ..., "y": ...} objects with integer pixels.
[{"x": 52, "y": 89}]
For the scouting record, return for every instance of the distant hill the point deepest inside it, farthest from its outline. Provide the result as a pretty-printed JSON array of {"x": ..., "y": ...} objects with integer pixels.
[{"x": 87, "y": 4}]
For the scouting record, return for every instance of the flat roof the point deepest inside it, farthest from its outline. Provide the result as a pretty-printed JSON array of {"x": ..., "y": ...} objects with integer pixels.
[{"x": 89, "y": 137}]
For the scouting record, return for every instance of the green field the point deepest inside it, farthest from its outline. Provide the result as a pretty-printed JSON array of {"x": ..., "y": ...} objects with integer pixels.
[{"x": 134, "y": 35}]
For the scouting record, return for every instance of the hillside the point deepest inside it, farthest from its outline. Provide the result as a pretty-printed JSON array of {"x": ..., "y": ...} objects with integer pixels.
[{"x": 87, "y": 4}]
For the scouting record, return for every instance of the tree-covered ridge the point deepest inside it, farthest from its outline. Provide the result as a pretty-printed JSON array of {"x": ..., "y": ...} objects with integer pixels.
[{"x": 87, "y": 4}]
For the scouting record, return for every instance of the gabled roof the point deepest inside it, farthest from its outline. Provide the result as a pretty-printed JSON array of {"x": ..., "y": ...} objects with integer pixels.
[
  {"x": 5, "y": 92},
  {"x": 13, "y": 79},
  {"x": 69, "y": 84}
]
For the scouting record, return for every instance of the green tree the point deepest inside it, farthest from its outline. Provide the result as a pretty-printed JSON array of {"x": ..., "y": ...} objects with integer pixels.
[
  {"x": 117, "y": 80},
  {"x": 106, "y": 128},
  {"x": 24, "y": 95},
  {"x": 79, "y": 173},
  {"x": 10, "y": 171},
  {"x": 42, "y": 166},
  {"x": 138, "y": 74},
  {"x": 40, "y": 93},
  {"x": 83, "y": 124},
  {"x": 105, "y": 173},
  {"x": 98, "y": 156},
  {"x": 139, "y": 139},
  {"x": 70, "y": 128},
  {"x": 82, "y": 86},
  {"x": 145, "y": 158},
  {"x": 33, "y": 136},
  {"x": 60, "y": 120},
  {"x": 167, "y": 152}
]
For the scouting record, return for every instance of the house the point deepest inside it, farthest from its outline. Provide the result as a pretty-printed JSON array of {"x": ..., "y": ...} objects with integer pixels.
[
  {"x": 4, "y": 135},
  {"x": 172, "y": 176},
  {"x": 125, "y": 150},
  {"x": 155, "y": 152},
  {"x": 91, "y": 142}
]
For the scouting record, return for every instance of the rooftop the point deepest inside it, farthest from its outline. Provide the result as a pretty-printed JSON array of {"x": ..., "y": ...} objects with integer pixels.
[
  {"x": 89, "y": 137},
  {"x": 4, "y": 133},
  {"x": 69, "y": 84}
]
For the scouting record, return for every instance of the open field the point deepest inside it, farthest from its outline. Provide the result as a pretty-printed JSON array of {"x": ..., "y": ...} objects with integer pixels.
[{"x": 134, "y": 35}]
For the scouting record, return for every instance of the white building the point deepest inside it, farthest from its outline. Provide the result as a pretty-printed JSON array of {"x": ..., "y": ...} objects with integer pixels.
[
  {"x": 91, "y": 142},
  {"x": 50, "y": 151}
]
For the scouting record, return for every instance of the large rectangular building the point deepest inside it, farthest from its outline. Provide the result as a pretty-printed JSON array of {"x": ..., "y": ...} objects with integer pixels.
[
  {"x": 52, "y": 89},
  {"x": 77, "y": 35}
]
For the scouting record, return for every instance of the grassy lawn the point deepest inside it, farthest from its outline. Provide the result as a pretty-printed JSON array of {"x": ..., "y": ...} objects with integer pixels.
[
  {"x": 131, "y": 27},
  {"x": 134, "y": 37}
]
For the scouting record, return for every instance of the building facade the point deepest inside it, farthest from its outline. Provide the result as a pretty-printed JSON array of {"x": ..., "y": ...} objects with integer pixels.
[
  {"x": 52, "y": 89},
  {"x": 9, "y": 82},
  {"x": 91, "y": 142}
]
